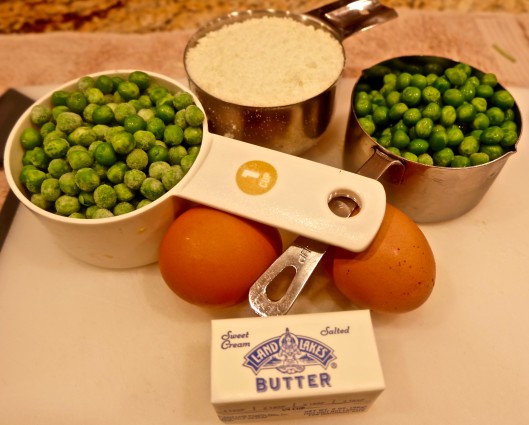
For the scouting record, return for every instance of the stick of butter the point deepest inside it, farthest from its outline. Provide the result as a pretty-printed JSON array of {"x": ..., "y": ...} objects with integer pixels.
[{"x": 294, "y": 366}]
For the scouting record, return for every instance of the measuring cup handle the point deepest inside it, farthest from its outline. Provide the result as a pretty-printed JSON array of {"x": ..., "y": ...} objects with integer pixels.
[
  {"x": 285, "y": 191},
  {"x": 349, "y": 17}
]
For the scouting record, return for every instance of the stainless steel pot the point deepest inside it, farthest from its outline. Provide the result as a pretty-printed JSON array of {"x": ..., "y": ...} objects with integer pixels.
[
  {"x": 426, "y": 193},
  {"x": 293, "y": 128}
]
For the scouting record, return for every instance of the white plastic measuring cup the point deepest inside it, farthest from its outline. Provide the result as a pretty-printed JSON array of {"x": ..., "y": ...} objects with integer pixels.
[{"x": 261, "y": 184}]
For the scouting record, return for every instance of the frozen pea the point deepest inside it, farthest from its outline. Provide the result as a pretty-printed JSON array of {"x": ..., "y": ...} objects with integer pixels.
[
  {"x": 432, "y": 111},
  {"x": 480, "y": 104},
  {"x": 145, "y": 101},
  {"x": 122, "y": 111},
  {"x": 50, "y": 189},
  {"x": 101, "y": 170},
  {"x": 466, "y": 113},
  {"x": 95, "y": 96},
  {"x": 468, "y": 146},
  {"x": 175, "y": 154},
  {"x": 24, "y": 171},
  {"x": 460, "y": 161},
  {"x": 102, "y": 213},
  {"x": 68, "y": 122},
  {"x": 418, "y": 146},
  {"x": 481, "y": 121},
  {"x": 56, "y": 148},
  {"x": 180, "y": 118},
  {"x": 411, "y": 96},
  {"x": 410, "y": 156},
  {"x": 134, "y": 179},
  {"x": 146, "y": 114},
  {"x": 443, "y": 157},
  {"x": 123, "y": 208},
  {"x": 442, "y": 84},
  {"x": 173, "y": 135},
  {"x": 83, "y": 136},
  {"x": 182, "y": 100},
  {"x": 143, "y": 203},
  {"x": 491, "y": 135},
  {"x": 58, "y": 97},
  {"x": 493, "y": 151},
  {"x": 156, "y": 126},
  {"x": 128, "y": 90},
  {"x": 495, "y": 115},
  {"x": 133, "y": 123},
  {"x": 124, "y": 193},
  {"x": 479, "y": 158},
  {"x": 194, "y": 150},
  {"x": 76, "y": 102},
  {"x": 47, "y": 128},
  {"x": 86, "y": 198},
  {"x": 80, "y": 159},
  {"x": 468, "y": 90},
  {"x": 57, "y": 110},
  {"x": 88, "y": 113},
  {"x": 152, "y": 188},
  {"x": 194, "y": 115},
  {"x": 137, "y": 159},
  {"x": 158, "y": 153},
  {"x": 187, "y": 162},
  {"x": 87, "y": 179},
  {"x": 39, "y": 200},
  {"x": 90, "y": 210},
  {"x": 424, "y": 127},
  {"x": 510, "y": 138},
  {"x": 144, "y": 139},
  {"x": 172, "y": 176},
  {"x": 397, "y": 111},
  {"x": 193, "y": 135},
  {"x": 381, "y": 116},
  {"x": 116, "y": 173},
  {"x": 85, "y": 83},
  {"x": 105, "y": 154},
  {"x": 40, "y": 114},
  {"x": 425, "y": 159},
  {"x": 58, "y": 166},
  {"x": 36, "y": 156},
  {"x": 103, "y": 114},
  {"x": 77, "y": 214},
  {"x": 105, "y": 196},
  {"x": 456, "y": 76},
  {"x": 68, "y": 185},
  {"x": 431, "y": 95},
  {"x": 54, "y": 134},
  {"x": 165, "y": 112},
  {"x": 455, "y": 135},
  {"x": 67, "y": 204},
  {"x": 30, "y": 138},
  {"x": 33, "y": 179},
  {"x": 157, "y": 168},
  {"x": 123, "y": 142}
]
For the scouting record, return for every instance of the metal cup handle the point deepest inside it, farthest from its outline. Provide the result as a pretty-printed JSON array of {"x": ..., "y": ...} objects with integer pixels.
[{"x": 349, "y": 17}]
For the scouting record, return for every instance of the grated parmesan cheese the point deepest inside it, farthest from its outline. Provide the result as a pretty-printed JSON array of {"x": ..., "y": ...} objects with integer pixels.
[{"x": 267, "y": 61}]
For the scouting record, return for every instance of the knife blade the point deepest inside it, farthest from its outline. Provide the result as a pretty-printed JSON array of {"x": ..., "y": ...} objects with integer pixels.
[{"x": 12, "y": 105}]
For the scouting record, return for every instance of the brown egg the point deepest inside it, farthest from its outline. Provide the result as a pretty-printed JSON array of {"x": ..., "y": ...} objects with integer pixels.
[{"x": 395, "y": 274}]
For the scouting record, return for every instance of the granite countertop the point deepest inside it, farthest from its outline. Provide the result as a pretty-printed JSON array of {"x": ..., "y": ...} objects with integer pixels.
[{"x": 141, "y": 16}]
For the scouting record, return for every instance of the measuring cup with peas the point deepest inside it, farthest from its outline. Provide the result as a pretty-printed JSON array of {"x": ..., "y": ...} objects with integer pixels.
[
  {"x": 434, "y": 131},
  {"x": 108, "y": 169}
]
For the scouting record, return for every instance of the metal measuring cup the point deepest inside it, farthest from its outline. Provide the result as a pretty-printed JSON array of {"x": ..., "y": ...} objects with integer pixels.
[
  {"x": 297, "y": 127},
  {"x": 427, "y": 193}
]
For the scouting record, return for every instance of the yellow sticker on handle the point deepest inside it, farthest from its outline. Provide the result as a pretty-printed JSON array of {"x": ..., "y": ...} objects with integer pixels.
[{"x": 256, "y": 177}]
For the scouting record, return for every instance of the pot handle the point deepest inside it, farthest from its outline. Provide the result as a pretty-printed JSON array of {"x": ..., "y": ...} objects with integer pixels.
[
  {"x": 378, "y": 164},
  {"x": 349, "y": 17}
]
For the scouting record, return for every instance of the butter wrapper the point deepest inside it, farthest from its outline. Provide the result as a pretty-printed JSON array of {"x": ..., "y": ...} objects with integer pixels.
[{"x": 300, "y": 365}]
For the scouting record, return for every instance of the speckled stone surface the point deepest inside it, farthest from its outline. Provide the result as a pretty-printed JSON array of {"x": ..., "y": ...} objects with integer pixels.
[{"x": 141, "y": 16}]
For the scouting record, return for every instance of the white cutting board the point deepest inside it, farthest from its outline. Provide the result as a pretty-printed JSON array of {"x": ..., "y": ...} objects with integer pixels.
[{"x": 82, "y": 345}]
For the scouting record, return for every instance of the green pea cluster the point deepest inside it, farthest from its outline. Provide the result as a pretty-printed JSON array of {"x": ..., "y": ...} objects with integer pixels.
[
  {"x": 437, "y": 113},
  {"x": 109, "y": 146}
]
